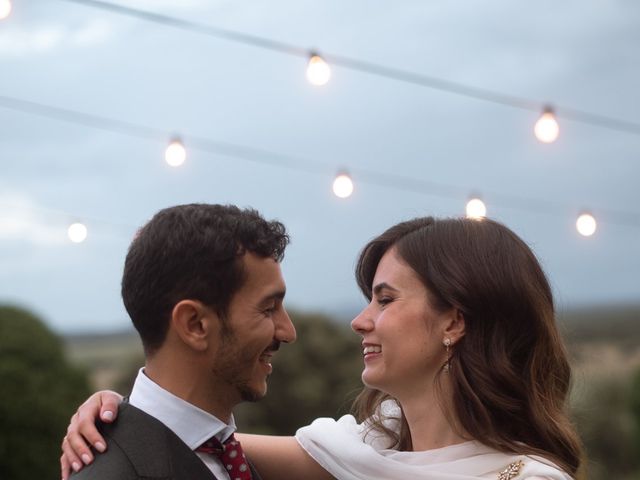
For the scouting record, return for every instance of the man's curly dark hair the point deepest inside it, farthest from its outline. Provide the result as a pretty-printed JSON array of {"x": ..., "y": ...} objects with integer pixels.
[{"x": 192, "y": 252}]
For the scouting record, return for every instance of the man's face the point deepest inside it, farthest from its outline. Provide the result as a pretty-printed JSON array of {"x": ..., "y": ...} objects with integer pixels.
[{"x": 255, "y": 324}]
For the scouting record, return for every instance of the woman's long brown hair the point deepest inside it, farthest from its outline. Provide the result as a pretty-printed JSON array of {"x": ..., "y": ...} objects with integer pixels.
[{"x": 510, "y": 375}]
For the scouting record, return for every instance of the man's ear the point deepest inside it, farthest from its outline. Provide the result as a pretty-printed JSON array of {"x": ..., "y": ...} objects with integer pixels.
[
  {"x": 454, "y": 326},
  {"x": 193, "y": 322}
]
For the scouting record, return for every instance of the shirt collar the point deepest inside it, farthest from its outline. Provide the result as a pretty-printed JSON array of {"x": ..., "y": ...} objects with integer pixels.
[{"x": 191, "y": 424}]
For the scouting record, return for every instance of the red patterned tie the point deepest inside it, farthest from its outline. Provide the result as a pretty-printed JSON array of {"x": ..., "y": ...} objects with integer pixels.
[{"x": 230, "y": 454}]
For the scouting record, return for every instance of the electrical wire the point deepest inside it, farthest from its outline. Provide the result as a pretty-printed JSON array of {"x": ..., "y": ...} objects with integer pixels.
[
  {"x": 372, "y": 68},
  {"x": 263, "y": 156}
]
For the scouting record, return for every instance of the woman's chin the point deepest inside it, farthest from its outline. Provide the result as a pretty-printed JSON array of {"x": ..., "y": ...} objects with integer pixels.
[{"x": 371, "y": 380}]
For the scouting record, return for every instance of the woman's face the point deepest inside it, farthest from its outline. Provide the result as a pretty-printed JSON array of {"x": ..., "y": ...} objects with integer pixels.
[{"x": 402, "y": 333}]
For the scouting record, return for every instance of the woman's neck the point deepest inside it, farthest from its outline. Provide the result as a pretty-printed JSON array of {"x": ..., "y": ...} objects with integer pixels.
[{"x": 429, "y": 426}]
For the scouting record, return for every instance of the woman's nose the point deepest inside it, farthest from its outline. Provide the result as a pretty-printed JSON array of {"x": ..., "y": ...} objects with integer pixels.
[{"x": 363, "y": 322}]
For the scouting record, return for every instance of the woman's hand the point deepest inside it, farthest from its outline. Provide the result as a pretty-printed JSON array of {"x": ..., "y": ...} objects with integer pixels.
[{"x": 82, "y": 431}]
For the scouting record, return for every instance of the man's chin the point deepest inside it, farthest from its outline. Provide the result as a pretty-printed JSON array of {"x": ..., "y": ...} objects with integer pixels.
[{"x": 249, "y": 394}]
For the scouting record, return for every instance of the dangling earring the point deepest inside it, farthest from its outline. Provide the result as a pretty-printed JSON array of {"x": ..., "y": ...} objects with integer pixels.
[{"x": 447, "y": 365}]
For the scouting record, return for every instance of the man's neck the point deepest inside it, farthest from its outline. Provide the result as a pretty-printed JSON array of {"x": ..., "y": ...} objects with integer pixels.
[{"x": 189, "y": 384}]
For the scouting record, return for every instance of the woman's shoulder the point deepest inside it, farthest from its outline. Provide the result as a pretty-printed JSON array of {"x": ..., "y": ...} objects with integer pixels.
[
  {"x": 348, "y": 449},
  {"x": 507, "y": 466},
  {"x": 539, "y": 468}
]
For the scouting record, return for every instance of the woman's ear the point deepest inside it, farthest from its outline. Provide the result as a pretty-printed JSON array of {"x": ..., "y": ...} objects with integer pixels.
[
  {"x": 192, "y": 321},
  {"x": 455, "y": 325}
]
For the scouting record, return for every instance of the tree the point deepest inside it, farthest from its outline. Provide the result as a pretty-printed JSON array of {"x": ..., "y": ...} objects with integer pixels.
[
  {"x": 635, "y": 411},
  {"x": 40, "y": 391},
  {"x": 603, "y": 418}
]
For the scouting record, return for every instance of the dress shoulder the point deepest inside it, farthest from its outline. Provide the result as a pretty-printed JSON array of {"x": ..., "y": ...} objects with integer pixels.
[{"x": 349, "y": 451}]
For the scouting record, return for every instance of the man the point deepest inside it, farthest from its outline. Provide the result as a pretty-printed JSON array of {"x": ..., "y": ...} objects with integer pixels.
[{"x": 203, "y": 287}]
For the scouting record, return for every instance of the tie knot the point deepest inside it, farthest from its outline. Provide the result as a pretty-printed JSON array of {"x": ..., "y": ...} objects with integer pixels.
[
  {"x": 230, "y": 454},
  {"x": 213, "y": 445},
  {"x": 231, "y": 441}
]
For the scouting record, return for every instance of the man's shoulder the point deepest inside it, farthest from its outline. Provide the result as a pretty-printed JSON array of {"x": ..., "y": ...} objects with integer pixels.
[
  {"x": 133, "y": 421},
  {"x": 110, "y": 465},
  {"x": 132, "y": 429},
  {"x": 140, "y": 446}
]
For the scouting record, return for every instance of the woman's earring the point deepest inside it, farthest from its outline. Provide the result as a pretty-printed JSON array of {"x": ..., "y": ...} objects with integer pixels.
[{"x": 447, "y": 345}]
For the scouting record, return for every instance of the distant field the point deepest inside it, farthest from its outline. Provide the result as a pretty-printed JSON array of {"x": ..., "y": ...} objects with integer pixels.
[
  {"x": 603, "y": 340},
  {"x": 618, "y": 325},
  {"x": 599, "y": 338},
  {"x": 105, "y": 356}
]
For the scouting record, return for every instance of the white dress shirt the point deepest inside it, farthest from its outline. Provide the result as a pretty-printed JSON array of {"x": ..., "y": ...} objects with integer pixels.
[{"x": 191, "y": 424}]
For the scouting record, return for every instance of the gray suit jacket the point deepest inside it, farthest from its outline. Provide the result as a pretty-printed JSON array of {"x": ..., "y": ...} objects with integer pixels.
[{"x": 142, "y": 447}]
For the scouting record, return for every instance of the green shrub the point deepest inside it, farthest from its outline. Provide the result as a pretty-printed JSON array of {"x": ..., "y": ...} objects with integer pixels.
[{"x": 40, "y": 392}]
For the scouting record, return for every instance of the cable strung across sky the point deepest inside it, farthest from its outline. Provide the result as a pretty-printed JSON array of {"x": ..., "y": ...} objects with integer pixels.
[
  {"x": 371, "y": 68},
  {"x": 258, "y": 155}
]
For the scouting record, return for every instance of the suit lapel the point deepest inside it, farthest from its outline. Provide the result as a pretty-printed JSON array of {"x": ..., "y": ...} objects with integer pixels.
[{"x": 154, "y": 450}]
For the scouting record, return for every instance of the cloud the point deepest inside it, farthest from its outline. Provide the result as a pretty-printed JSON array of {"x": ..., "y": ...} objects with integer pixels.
[
  {"x": 17, "y": 42},
  {"x": 22, "y": 220},
  {"x": 42, "y": 39},
  {"x": 95, "y": 32},
  {"x": 157, "y": 5}
]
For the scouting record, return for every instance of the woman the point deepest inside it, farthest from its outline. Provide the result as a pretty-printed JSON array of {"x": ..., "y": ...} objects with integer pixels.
[{"x": 465, "y": 373}]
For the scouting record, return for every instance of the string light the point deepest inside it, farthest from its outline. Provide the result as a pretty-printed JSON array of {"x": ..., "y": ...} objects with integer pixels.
[
  {"x": 343, "y": 185},
  {"x": 586, "y": 224},
  {"x": 364, "y": 66},
  {"x": 318, "y": 71},
  {"x": 77, "y": 232},
  {"x": 547, "y": 128},
  {"x": 276, "y": 159},
  {"x": 5, "y": 9},
  {"x": 176, "y": 154},
  {"x": 476, "y": 209}
]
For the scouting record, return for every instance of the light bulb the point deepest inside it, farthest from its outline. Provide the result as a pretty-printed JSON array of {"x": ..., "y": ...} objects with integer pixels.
[
  {"x": 318, "y": 71},
  {"x": 586, "y": 225},
  {"x": 175, "y": 155},
  {"x": 547, "y": 128},
  {"x": 343, "y": 185},
  {"x": 77, "y": 232},
  {"x": 476, "y": 209},
  {"x": 5, "y": 9}
]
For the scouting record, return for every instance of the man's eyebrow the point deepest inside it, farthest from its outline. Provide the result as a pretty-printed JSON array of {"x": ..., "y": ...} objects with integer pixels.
[
  {"x": 277, "y": 295},
  {"x": 381, "y": 286}
]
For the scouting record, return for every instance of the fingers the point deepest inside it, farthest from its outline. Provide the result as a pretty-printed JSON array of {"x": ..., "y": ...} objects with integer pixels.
[
  {"x": 65, "y": 468},
  {"x": 109, "y": 405},
  {"x": 69, "y": 460},
  {"x": 82, "y": 431}
]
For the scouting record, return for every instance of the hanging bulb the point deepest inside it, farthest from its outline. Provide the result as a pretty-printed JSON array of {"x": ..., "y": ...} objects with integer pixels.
[
  {"x": 318, "y": 71},
  {"x": 476, "y": 209},
  {"x": 547, "y": 128},
  {"x": 77, "y": 232},
  {"x": 5, "y": 9},
  {"x": 586, "y": 224},
  {"x": 343, "y": 185},
  {"x": 175, "y": 155}
]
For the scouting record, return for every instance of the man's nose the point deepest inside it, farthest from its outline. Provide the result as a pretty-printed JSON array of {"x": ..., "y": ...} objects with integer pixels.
[{"x": 285, "y": 331}]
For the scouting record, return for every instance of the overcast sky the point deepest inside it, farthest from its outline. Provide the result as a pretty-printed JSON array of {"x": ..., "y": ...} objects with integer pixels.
[{"x": 576, "y": 54}]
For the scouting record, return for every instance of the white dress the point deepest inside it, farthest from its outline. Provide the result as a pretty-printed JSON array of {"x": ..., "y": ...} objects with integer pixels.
[{"x": 342, "y": 449}]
